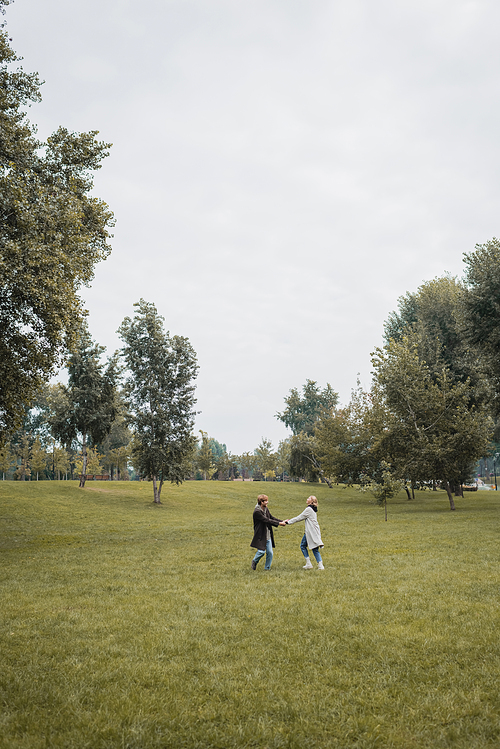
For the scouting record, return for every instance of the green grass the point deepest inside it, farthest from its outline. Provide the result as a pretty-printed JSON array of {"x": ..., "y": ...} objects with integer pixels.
[{"x": 133, "y": 626}]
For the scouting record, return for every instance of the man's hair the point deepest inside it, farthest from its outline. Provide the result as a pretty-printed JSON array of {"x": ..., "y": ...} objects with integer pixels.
[{"x": 261, "y": 497}]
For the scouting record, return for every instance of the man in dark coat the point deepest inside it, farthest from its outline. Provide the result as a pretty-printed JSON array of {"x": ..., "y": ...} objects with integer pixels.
[{"x": 263, "y": 538}]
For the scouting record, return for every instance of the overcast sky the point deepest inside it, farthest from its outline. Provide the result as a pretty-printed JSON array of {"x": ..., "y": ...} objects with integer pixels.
[{"x": 281, "y": 172}]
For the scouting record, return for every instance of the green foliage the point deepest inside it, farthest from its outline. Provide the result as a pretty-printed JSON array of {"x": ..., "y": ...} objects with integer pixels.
[
  {"x": 7, "y": 459},
  {"x": 52, "y": 234},
  {"x": 302, "y": 413},
  {"x": 481, "y": 307},
  {"x": 38, "y": 458},
  {"x": 265, "y": 458},
  {"x": 87, "y": 405},
  {"x": 386, "y": 488},
  {"x": 160, "y": 397},
  {"x": 433, "y": 429},
  {"x": 23, "y": 470}
]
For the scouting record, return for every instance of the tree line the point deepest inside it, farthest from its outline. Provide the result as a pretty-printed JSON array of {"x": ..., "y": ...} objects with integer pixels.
[
  {"x": 432, "y": 411},
  {"x": 430, "y": 414}
]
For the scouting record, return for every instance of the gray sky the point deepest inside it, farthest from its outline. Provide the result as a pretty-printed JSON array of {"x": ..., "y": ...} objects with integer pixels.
[{"x": 281, "y": 173}]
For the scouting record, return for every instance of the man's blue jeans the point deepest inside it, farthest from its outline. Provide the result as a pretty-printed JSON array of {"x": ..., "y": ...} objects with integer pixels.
[
  {"x": 268, "y": 552},
  {"x": 303, "y": 548}
]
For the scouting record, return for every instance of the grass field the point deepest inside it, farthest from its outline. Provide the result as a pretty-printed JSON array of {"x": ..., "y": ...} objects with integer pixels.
[{"x": 126, "y": 625}]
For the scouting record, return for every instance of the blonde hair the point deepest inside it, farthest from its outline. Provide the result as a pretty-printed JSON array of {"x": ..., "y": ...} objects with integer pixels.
[{"x": 314, "y": 500}]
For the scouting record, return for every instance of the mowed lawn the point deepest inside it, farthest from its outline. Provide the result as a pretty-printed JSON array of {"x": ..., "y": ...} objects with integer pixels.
[{"x": 129, "y": 625}]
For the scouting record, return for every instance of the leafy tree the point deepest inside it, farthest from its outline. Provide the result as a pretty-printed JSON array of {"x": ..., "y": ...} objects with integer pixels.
[
  {"x": 38, "y": 457},
  {"x": 204, "y": 459},
  {"x": 52, "y": 234},
  {"x": 23, "y": 470},
  {"x": 246, "y": 462},
  {"x": 119, "y": 458},
  {"x": 117, "y": 445},
  {"x": 283, "y": 457},
  {"x": 60, "y": 461},
  {"x": 386, "y": 488},
  {"x": 433, "y": 429},
  {"x": 481, "y": 308},
  {"x": 7, "y": 460},
  {"x": 434, "y": 315},
  {"x": 90, "y": 406},
  {"x": 160, "y": 397},
  {"x": 265, "y": 458},
  {"x": 302, "y": 413}
]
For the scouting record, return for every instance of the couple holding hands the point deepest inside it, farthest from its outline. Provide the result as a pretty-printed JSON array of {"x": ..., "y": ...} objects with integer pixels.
[{"x": 263, "y": 539}]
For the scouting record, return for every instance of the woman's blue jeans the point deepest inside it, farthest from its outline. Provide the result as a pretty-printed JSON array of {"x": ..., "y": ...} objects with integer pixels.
[
  {"x": 268, "y": 552},
  {"x": 303, "y": 548}
]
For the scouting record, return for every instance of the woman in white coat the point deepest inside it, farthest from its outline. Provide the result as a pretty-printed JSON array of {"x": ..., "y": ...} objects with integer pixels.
[{"x": 312, "y": 535}]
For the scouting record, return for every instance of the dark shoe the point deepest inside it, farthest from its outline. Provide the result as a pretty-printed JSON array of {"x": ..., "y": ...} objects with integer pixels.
[{"x": 254, "y": 564}]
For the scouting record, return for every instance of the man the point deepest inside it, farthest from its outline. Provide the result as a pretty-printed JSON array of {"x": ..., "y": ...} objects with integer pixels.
[{"x": 263, "y": 539}]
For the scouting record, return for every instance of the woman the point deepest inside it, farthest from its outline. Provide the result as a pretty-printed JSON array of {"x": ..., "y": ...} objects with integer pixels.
[{"x": 312, "y": 535}]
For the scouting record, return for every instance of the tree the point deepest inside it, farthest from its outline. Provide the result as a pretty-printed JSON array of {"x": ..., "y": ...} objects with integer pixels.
[
  {"x": 303, "y": 413},
  {"x": 386, "y": 488},
  {"x": 433, "y": 429},
  {"x": 117, "y": 445},
  {"x": 283, "y": 457},
  {"x": 160, "y": 396},
  {"x": 90, "y": 406},
  {"x": 38, "y": 457},
  {"x": 52, "y": 234},
  {"x": 7, "y": 460},
  {"x": 204, "y": 459},
  {"x": 23, "y": 470},
  {"x": 348, "y": 441},
  {"x": 60, "y": 461},
  {"x": 434, "y": 314},
  {"x": 481, "y": 308},
  {"x": 265, "y": 458}
]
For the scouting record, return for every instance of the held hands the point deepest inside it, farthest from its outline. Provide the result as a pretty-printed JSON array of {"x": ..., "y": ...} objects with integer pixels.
[{"x": 284, "y": 522}]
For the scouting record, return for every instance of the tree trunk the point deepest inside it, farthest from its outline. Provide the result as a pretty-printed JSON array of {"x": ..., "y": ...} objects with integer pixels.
[
  {"x": 449, "y": 493},
  {"x": 157, "y": 490},
  {"x": 407, "y": 492},
  {"x": 385, "y": 508},
  {"x": 84, "y": 467},
  {"x": 412, "y": 491}
]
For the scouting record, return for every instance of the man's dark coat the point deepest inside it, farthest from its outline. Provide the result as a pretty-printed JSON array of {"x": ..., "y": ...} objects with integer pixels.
[{"x": 262, "y": 520}]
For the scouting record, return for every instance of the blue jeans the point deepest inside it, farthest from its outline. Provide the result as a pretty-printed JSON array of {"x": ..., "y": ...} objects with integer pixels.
[
  {"x": 268, "y": 552},
  {"x": 303, "y": 548}
]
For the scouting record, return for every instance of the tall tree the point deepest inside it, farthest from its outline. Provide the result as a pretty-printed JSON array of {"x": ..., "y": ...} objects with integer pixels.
[
  {"x": 204, "y": 459},
  {"x": 7, "y": 459},
  {"x": 160, "y": 393},
  {"x": 303, "y": 412},
  {"x": 52, "y": 234},
  {"x": 38, "y": 457},
  {"x": 481, "y": 309},
  {"x": 90, "y": 407},
  {"x": 433, "y": 430}
]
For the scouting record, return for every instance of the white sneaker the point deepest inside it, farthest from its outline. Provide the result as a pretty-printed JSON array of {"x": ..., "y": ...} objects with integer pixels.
[
  {"x": 308, "y": 565},
  {"x": 320, "y": 566}
]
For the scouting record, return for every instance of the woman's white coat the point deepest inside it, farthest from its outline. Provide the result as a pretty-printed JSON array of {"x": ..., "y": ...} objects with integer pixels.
[{"x": 313, "y": 533}]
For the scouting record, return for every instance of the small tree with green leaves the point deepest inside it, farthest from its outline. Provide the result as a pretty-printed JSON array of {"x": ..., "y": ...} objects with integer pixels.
[
  {"x": 7, "y": 460},
  {"x": 386, "y": 488},
  {"x": 160, "y": 397},
  {"x": 90, "y": 406},
  {"x": 38, "y": 457}
]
